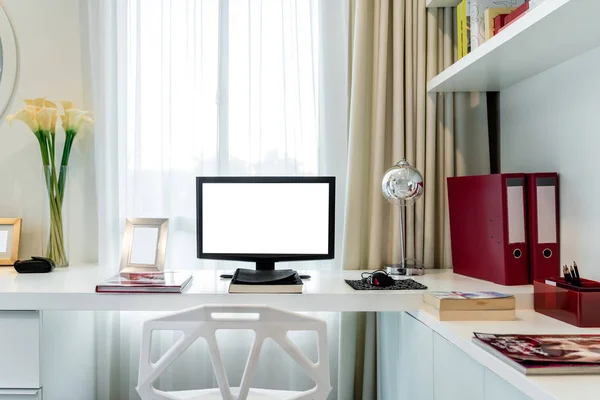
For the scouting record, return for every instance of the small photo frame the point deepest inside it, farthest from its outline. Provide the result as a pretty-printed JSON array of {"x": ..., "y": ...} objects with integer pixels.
[
  {"x": 10, "y": 235},
  {"x": 144, "y": 244}
]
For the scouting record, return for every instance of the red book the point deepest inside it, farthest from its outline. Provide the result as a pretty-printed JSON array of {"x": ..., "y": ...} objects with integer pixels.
[
  {"x": 498, "y": 23},
  {"x": 488, "y": 227},
  {"x": 544, "y": 246},
  {"x": 516, "y": 14}
]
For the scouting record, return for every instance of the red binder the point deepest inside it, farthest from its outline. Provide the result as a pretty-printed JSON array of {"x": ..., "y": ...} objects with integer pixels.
[
  {"x": 488, "y": 227},
  {"x": 544, "y": 249}
]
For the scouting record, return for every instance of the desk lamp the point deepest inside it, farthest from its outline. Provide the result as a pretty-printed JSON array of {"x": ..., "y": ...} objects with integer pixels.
[{"x": 403, "y": 185}]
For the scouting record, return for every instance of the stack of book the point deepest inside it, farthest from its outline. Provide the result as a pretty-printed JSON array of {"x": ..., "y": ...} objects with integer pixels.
[
  {"x": 146, "y": 282},
  {"x": 465, "y": 306},
  {"x": 544, "y": 354},
  {"x": 479, "y": 20}
]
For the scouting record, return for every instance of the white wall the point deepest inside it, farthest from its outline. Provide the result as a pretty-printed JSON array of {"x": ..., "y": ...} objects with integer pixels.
[
  {"x": 49, "y": 47},
  {"x": 551, "y": 122}
]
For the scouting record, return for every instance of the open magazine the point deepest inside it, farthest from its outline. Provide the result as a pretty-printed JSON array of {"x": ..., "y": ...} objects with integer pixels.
[
  {"x": 146, "y": 282},
  {"x": 545, "y": 354}
]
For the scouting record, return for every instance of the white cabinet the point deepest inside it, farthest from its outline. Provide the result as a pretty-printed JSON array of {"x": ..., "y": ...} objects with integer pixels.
[
  {"x": 405, "y": 361},
  {"x": 416, "y": 363},
  {"x": 19, "y": 350},
  {"x": 416, "y": 360},
  {"x": 497, "y": 388},
  {"x": 12, "y": 394},
  {"x": 456, "y": 376}
]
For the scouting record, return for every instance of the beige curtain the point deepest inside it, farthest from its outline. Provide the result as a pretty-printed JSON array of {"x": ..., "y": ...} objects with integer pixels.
[{"x": 396, "y": 46}]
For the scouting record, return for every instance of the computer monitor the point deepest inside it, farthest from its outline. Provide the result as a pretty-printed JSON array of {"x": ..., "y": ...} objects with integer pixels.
[{"x": 266, "y": 219}]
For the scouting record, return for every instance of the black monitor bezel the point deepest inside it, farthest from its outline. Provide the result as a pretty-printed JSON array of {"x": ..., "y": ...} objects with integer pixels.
[{"x": 256, "y": 257}]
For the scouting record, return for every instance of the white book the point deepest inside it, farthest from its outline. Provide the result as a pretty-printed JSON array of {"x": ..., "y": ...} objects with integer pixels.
[{"x": 477, "y": 17}]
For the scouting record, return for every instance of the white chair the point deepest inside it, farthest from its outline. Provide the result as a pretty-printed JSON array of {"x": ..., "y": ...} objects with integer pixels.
[{"x": 204, "y": 321}]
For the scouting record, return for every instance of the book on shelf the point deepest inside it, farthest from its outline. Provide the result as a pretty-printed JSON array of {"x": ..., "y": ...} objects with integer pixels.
[
  {"x": 146, "y": 282},
  {"x": 463, "y": 28},
  {"x": 470, "y": 315},
  {"x": 275, "y": 281},
  {"x": 477, "y": 17},
  {"x": 516, "y": 14},
  {"x": 490, "y": 16},
  {"x": 465, "y": 301},
  {"x": 544, "y": 354}
]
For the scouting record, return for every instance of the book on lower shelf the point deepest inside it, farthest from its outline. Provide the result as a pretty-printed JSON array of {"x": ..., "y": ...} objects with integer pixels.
[
  {"x": 146, "y": 282},
  {"x": 470, "y": 306},
  {"x": 470, "y": 300},
  {"x": 470, "y": 315},
  {"x": 544, "y": 354},
  {"x": 275, "y": 281}
]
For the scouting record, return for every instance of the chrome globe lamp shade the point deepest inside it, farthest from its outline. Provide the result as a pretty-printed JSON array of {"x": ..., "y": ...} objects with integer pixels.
[{"x": 403, "y": 185}]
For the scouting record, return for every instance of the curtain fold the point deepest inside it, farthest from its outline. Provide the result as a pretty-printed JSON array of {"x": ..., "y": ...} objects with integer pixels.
[
  {"x": 189, "y": 88},
  {"x": 396, "y": 47}
]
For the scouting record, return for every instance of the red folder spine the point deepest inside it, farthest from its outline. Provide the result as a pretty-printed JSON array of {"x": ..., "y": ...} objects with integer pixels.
[
  {"x": 544, "y": 244},
  {"x": 488, "y": 227},
  {"x": 516, "y": 249}
]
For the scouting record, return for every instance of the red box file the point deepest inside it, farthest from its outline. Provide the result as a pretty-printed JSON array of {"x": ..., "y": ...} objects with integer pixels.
[
  {"x": 544, "y": 248},
  {"x": 516, "y": 14},
  {"x": 573, "y": 307},
  {"x": 488, "y": 227}
]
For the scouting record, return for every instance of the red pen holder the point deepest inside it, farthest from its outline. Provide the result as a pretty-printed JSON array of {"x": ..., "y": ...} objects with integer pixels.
[{"x": 576, "y": 306}]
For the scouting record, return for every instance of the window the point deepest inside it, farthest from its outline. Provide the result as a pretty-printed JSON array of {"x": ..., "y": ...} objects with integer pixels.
[{"x": 229, "y": 87}]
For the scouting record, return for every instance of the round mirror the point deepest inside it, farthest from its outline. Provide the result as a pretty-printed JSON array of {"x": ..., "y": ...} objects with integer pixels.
[{"x": 8, "y": 60}]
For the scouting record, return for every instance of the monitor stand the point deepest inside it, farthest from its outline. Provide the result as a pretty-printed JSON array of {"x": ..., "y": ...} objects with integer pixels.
[{"x": 264, "y": 265}]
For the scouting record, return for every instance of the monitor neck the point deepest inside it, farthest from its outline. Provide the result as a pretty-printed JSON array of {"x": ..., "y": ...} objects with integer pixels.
[{"x": 265, "y": 265}]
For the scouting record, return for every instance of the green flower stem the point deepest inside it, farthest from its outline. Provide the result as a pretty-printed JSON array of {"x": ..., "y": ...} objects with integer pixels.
[
  {"x": 55, "y": 188},
  {"x": 56, "y": 234},
  {"x": 70, "y": 136}
]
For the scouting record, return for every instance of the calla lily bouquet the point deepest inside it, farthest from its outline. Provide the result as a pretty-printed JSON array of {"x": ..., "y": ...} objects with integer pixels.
[{"x": 44, "y": 117}]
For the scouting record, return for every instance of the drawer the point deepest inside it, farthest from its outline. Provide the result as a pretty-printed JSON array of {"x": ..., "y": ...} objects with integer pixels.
[
  {"x": 10, "y": 394},
  {"x": 19, "y": 351}
]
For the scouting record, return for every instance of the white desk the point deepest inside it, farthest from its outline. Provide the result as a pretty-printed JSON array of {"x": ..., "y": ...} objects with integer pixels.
[
  {"x": 73, "y": 288},
  {"x": 44, "y": 316}
]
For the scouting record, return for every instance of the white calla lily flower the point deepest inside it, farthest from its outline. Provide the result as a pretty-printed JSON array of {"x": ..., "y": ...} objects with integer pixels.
[
  {"x": 28, "y": 116},
  {"x": 45, "y": 118},
  {"x": 38, "y": 102}
]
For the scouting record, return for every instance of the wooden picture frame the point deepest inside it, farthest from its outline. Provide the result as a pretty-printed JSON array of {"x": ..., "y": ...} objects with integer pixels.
[
  {"x": 10, "y": 236},
  {"x": 144, "y": 245}
]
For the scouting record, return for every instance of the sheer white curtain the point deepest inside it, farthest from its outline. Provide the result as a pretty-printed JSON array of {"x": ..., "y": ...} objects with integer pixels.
[{"x": 184, "y": 88}]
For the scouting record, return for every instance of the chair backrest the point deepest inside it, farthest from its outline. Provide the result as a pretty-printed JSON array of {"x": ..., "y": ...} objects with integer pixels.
[{"x": 265, "y": 321}]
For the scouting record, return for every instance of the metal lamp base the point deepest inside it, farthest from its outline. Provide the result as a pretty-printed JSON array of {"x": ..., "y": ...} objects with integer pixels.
[{"x": 406, "y": 268}]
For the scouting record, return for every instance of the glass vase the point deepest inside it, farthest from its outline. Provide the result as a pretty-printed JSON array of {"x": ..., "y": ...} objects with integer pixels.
[{"x": 55, "y": 183}]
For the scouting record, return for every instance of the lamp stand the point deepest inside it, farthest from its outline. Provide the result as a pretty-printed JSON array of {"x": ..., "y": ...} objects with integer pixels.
[{"x": 407, "y": 267}]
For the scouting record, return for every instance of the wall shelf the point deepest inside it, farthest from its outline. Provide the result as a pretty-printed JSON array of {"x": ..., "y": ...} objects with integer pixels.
[
  {"x": 551, "y": 33},
  {"x": 441, "y": 3}
]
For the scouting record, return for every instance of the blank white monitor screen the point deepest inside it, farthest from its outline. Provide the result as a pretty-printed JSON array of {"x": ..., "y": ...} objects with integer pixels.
[{"x": 265, "y": 218}]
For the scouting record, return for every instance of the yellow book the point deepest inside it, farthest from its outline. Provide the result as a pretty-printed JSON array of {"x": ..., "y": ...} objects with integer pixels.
[
  {"x": 489, "y": 16},
  {"x": 460, "y": 28}
]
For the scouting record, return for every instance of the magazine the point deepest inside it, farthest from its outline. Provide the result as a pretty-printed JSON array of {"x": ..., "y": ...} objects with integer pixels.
[
  {"x": 469, "y": 295},
  {"x": 545, "y": 354},
  {"x": 146, "y": 282}
]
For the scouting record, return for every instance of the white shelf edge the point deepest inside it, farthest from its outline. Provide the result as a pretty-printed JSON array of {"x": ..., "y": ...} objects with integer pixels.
[
  {"x": 441, "y": 3},
  {"x": 455, "y": 78}
]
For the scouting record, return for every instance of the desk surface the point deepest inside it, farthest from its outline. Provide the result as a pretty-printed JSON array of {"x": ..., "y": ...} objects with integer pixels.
[
  {"x": 551, "y": 387},
  {"x": 73, "y": 288}
]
